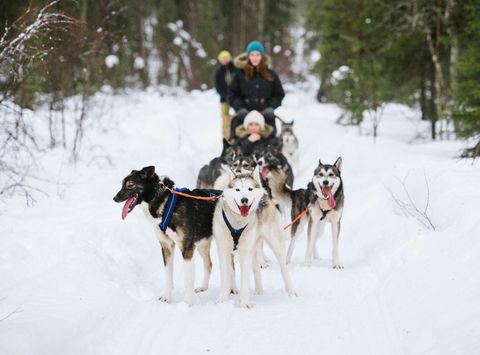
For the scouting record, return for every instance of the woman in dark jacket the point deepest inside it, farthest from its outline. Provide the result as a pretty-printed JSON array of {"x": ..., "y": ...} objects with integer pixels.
[{"x": 256, "y": 87}]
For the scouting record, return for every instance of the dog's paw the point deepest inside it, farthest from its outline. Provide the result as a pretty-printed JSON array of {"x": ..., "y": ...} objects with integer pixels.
[
  {"x": 164, "y": 298},
  {"x": 259, "y": 291},
  {"x": 201, "y": 289},
  {"x": 233, "y": 291},
  {"x": 292, "y": 293},
  {"x": 307, "y": 263},
  {"x": 337, "y": 266},
  {"x": 248, "y": 305}
]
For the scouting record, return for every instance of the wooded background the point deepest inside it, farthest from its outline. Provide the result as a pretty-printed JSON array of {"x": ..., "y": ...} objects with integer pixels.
[{"x": 366, "y": 53}]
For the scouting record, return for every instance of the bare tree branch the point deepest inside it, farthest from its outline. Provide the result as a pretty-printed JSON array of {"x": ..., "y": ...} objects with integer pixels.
[{"x": 411, "y": 208}]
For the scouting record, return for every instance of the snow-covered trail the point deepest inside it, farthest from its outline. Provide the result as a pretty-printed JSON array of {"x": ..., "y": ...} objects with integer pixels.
[{"x": 75, "y": 279}]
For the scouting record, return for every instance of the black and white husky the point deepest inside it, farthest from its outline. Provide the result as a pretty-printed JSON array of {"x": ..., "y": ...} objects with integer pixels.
[
  {"x": 210, "y": 172},
  {"x": 243, "y": 217},
  {"x": 176, "y": 220},
  {"x": 289, "y": 144},
  {"x": 324, "y": 198}
]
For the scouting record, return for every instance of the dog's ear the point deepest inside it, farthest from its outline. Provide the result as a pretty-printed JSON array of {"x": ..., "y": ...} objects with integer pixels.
[
  {"x": 147, "y": 172},
  {"x": 166, "y": 181},
  {"x": 256, "y": 175},
  {"x": 231, "y": 174},
  {"x": 338, "y": 163},
  {"x": 225, "y": 144},
  {"x": 320, "y": 162},
  {"x": 293, "y": 121}
]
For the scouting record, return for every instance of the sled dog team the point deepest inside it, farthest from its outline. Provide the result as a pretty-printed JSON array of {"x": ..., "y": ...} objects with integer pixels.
[{"x": 237, "y": 201}]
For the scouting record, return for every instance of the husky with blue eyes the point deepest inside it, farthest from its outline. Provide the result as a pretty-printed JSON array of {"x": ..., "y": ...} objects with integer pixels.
[{"x": 244, "y": 216}]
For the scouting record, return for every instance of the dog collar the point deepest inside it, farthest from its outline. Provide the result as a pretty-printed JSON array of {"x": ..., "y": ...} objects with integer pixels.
[
  {"x": 172, "y": 199},
  {"x": 236, "y": 233}
]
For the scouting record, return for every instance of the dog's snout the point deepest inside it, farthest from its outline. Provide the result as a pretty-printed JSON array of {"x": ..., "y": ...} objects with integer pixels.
[
  {"x": 244, "y": 200},
  {"x": 325, "y": 182},
  {"x": 115, "y": 198}
]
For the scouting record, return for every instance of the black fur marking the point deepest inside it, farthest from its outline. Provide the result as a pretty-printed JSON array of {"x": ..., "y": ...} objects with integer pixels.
[
  {"x": 209, "y": 173},
  {"x": 191, "y": 218},
  {"x": 299, "y": 204}
]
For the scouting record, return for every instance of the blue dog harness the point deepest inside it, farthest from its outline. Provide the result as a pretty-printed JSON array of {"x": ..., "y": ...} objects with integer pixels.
[
  {"x": 236, "y": 233},
  {"x": 172, "y": 199}
]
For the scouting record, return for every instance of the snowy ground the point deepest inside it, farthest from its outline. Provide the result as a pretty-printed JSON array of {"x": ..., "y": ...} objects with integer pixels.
[{"x": 76, "y": 279}]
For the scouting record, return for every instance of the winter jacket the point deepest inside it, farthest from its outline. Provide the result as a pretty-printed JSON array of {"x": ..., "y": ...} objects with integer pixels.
[
  {"x": 223, "y": 79},
  {"x": 248, "y": 147},
  {"x": 255, "y": 93}
]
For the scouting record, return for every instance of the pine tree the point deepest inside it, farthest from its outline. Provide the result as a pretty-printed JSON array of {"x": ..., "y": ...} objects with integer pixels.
[{"x": 466, "y": 111}]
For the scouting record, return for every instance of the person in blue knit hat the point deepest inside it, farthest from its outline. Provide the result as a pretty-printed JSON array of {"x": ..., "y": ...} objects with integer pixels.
[
  {"x": 255, "y": 87},
  {"x": 255, "y": 46}
]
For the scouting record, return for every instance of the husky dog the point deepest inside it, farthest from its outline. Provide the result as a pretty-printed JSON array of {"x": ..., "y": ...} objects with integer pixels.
[
  {"x": 324, "y": 198},
  {"x": 240, "y": 165},
  {"x": 176, "y": 220},
  {"x": 289, "y": 144},
  {"x": 276, "y": 174},
  {"x": 243, "y": 217},
  {"x": 209, "y": 173}
]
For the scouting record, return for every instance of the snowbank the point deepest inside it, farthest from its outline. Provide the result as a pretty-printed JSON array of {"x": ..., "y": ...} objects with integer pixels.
[{"x": 75, "y": 279}]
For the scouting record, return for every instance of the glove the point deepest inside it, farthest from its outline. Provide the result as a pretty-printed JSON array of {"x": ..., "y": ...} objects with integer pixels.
[{"x": 269, "y": 112}]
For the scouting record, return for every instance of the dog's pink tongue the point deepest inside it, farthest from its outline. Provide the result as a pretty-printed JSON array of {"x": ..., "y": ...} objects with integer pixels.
[
  {"x": 126, "y": 206},
  {"x": 244, "y": 210},
  {"x": 327, "y": 192},
  {"x": 265, "y": 171}
]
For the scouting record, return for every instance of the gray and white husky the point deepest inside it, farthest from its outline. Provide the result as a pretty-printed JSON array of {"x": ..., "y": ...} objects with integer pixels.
[
  {"x": 210, "y": 172},
  {"x": 324, "y": 198},
  {"x": 277, "y": 176},
  {"x": 243, "y": 217},
  {"x": 289, "y": 144},
  {"x": 241, "y": 164},
  {"x": 182, "y": 221}
]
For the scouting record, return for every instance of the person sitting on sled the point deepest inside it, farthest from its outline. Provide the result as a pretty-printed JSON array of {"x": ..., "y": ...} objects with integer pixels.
[
  {"x": 254, "y": 134},
  {"x": 255, "y": 87}
]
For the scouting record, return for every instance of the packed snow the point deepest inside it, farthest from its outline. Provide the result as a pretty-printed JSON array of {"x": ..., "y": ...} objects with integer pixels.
[{"x": 76, "y": 279}]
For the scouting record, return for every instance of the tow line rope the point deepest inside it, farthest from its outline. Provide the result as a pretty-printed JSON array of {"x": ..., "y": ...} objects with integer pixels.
[
  {"x": 203, "y": 198},
  {"x": 303, "y": 213},
  {"x": 296, "y": 219}
]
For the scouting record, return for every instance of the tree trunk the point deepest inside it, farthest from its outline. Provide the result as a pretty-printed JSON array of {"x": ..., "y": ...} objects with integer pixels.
[
  {"x": 423, "y": 94},
  {"x": 325, "y": 86}
]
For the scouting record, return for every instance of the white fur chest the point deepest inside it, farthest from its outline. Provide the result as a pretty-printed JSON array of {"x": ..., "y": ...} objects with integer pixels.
[{"x": 162, "y": 236}]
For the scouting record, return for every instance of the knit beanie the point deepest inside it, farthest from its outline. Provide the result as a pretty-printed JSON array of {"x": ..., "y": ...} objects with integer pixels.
[
  {"x": 224, "y": 54},
  {"x": 254, "y": 116},
  {"x": 255, "y": 46}
]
